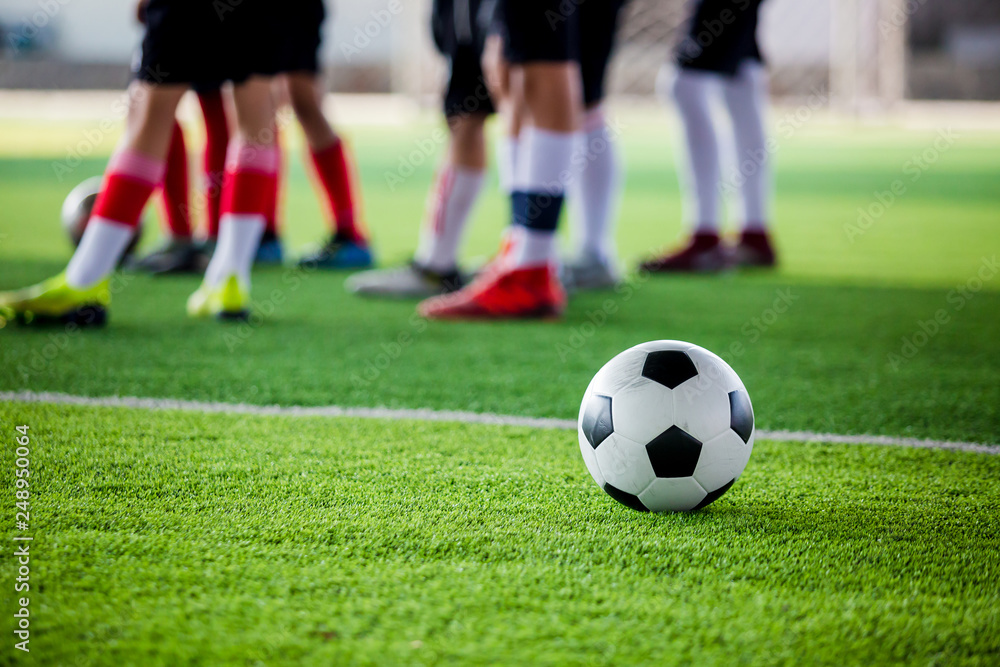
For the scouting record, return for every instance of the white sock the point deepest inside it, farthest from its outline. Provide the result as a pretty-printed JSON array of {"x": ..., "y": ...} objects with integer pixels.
[
  {"x": 507, "y": 156},
  {"x": 449, "y": 208},
  {"x": 102, "y": 246},
  {"x": 544, "y": 161},
  {"x": 530, "y": 247},
  {"x": 693, "y": 92},
  {"x": 746, "y": 99},
  {"x": 595, "y": 191},
  {"x": 239, "y": 236},
  {"x": 543, "y": 170}
]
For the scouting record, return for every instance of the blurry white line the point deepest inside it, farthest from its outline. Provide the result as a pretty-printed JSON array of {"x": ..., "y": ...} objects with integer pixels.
[{"x": 447, "y": 416}]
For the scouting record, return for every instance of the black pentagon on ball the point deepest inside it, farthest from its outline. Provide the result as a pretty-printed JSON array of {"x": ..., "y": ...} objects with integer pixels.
[
  {"x": 741, "y": 414},
  {"x": 669, "y": 368},
  {"x": 714, "y": 495},
  {"x": 625, "y": 498},
  {"x": 597, "y": 424},
  {"x": 674, "y": 453}
]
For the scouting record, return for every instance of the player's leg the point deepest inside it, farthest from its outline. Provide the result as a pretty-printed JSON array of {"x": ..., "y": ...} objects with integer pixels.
[
  {"x": 82, "y": 293},
  {"x": 746, "y": 99},
  {"x": 704, "y": 67},
  {"x": 176, "y": 187},
  {"x": 510, "y": 104},
  {"x": 694, "y": 93},
  {"x": 270, "y": 251},
  {"x": 249, "y": 179},
  {"x": 459, "y": 179},
  {"x": 594, "y": 193},
  {"x": 213, "y": 110},
  {"x": 177, "y": 253},
  {"x": 522, "y": 282},
  {"x": 458, "y": 182},
  {"x": 456, "y": 190},
  {"x": 347, "y": 247}
]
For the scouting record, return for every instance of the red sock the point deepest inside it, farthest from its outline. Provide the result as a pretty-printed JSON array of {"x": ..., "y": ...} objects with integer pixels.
[
  {"x": 129, "y": 180},
  {"x": 214, "y": 164},
  {"x": 274, "y": 189},
  {"x": 176, "y": 206},
  {"x": 336, "y": 174},
  {"x": 248, "y": 180}
]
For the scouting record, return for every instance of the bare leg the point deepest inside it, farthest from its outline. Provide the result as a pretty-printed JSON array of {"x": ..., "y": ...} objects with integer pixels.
[{"x": 331, "y": 160}]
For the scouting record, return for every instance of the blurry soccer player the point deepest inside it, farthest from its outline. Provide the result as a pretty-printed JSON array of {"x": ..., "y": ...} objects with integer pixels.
[
  {"x": 347, "y": 247},
  {"x": 185, "y": 42},
  {"x": 180, "y": 251},
  {"x": 460, "y": 30},
  {"x": 595, "y": 189},
  {"x": 726, "y": 66},
  {"x": 545, "y": 85}
]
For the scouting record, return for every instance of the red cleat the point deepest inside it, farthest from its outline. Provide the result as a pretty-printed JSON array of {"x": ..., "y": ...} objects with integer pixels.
[
  {"x": 501, "y": 294},
  {"x": 755, "y": 249},
  {"x": 704, "y": 254}
]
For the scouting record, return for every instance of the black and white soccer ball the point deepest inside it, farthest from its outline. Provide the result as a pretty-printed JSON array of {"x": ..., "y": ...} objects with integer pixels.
[
  {"x": 666, "y": 426},
  {"x": 77, "y": 207}
]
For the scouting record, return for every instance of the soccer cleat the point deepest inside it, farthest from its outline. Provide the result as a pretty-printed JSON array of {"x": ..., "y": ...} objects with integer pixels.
[
  {"x": 410, "y": 281},
  {"x": 229, "y": 300},
  {"x": 755, "y": 250},
  {"x": 589, "y": 272},
  {"x": 704, "y": 254},
  {"x": 54, "y": 301},
  {"x": 174, "y": 256},
  {"x": 269, "y": 252},
  {"x": 502, "y": 294},
  {"x": 340, "y": 253}
]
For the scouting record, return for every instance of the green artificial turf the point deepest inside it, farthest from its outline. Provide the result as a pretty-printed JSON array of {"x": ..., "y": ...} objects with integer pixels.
[
  {"x": 850, "y": 352},
  {"x": 177, "y": 538},
  {"x": 173, "y": 538}
]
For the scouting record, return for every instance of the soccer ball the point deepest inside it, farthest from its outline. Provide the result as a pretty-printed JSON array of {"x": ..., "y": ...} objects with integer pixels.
[
  {"x": 76, "y": 211},
  {"x": 666, "y": 426}
]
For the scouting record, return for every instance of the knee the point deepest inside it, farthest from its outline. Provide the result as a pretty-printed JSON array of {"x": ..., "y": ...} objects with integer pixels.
[{"x": 467, "y": 128}]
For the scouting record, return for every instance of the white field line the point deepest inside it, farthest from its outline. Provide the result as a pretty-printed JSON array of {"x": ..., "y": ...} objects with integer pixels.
[{"x": 447, "y": 416}]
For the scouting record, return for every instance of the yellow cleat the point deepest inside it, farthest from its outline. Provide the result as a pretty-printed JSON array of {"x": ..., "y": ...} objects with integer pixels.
[
  {"x": 230, "y": 300},
  {"x": 56, "y": 302}
]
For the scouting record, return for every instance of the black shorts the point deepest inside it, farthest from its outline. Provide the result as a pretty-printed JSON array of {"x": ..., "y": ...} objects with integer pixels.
[
  {"x": 561, "y": 30},
  {"x": 302, "y": 35},
  {"x": 460, "y": 28},
  {"x": 722, "y": 34},
  {"x": 540, "y": 30},
  {"x": 598, "y": 27},
  {"x": 194, "y": 41}
]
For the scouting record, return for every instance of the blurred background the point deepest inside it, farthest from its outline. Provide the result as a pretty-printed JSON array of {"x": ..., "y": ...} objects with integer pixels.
[{"x": 866, "y": 53}]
